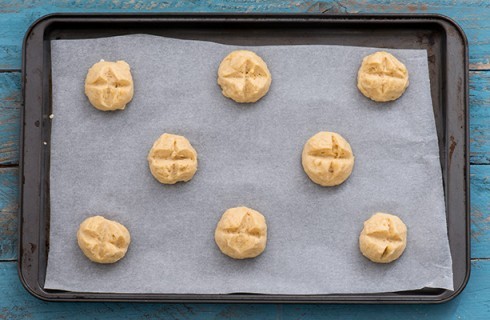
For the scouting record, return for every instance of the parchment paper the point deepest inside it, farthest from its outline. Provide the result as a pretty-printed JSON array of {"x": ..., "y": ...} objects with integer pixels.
[{"x": 249, "y": 155}]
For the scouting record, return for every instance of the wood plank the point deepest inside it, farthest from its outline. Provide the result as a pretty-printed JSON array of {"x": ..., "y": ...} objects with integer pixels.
[
  {"x": 8, "y": 213},
  {"x": 479, "y": 117},
  {"x": 18, "y": 304},
  {"x": 10, "y": 104},
  {"x": 473, "y": 15},
  {"x": 480, "y": 212},
  {"x": 472, "y": 303}
]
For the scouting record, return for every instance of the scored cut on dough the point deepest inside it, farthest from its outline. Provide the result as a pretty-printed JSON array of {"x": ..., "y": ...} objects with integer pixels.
[
  {"x": 241, "y": 233},
  {"x": 172, "y": 159},
  {"x": 244, "y": 76},
  {"x": 327, "y": 159},
  {"x": 109, "y": 85},
  {"x": 382, "y": 77},
  {"x": 383, "y": 238},
  {"x": 103, "y": 240}
]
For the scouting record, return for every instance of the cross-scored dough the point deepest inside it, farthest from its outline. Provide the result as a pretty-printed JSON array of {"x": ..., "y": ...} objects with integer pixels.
[
  {"x": 382, "y": 77},
  {"x": 103, "y": 240},
  {"x": 172, "y": 159},
  {"x": 383, "y": 238},
  {"x": 327, "y": 159},
  {"x": 244, "y": 76},
  {"x": 241, "y": 233},
  {"x": 109, "y": 85}
]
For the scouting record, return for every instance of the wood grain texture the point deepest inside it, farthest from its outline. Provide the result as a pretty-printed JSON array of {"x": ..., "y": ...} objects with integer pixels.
[
  {"x": 18, "y": 304},
  {"x": 480, "y": 117},
  {"x": 473, "y": 15},
  {"x": 8, "y": 213},
  {"x": 10, "y": 102},
  {"x": 480, "y": 212},
  {"x": 10, "y": 106}
]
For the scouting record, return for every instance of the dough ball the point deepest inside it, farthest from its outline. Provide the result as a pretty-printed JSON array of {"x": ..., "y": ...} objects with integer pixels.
[
  {"x": 102, "y": 240},
  {"x": 382, "y": 77},
  {"x": 172, "y": 159},
  {"x": 241, "y": 233},
  {"x": 327, "y": 159},
  {"x": 383, "y": 238},
  {"x": 109, "y": 85},
  {"x": 243, "y": 76}
]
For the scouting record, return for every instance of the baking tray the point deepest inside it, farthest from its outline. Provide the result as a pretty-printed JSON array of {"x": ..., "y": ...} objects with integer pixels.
[{"x": 448, "y": 70}]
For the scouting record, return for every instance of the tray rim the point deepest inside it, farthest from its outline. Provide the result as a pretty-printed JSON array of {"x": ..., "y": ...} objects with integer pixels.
[{"x": 376, "y": 18}]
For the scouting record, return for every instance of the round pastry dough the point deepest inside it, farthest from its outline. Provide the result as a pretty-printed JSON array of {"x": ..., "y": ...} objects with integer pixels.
[
  {"x": 244, "y": 76},
  {"x": 382, "y": 77},
  {"x": 109, "y": 85},
  {"x": 172, "y": 159},
  {"x": 383, "y": 238},
  {"x": 102, "y": 240},
  {"x": 327, "y": 159},
  {"x": 241, "y": 233}
]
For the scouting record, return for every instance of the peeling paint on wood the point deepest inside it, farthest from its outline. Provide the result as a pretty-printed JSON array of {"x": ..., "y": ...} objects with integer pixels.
[
  {"x": 472, "y": 15},
  {"x": 480, "y": 211},
  {"x": 480, "y": 117},
  {"x": 479, "y": 66},
  {"x": 8, "y": 213},
  {"x": 10, "y": 104},
  {"x": 10, "y": 101},
  {"x": 18, "y": 304}
]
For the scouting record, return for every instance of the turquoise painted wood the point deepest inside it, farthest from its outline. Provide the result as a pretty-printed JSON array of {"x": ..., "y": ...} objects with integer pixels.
[
  {"x": 10, "y": 103},
  {"x": 480, "y": 117},
  {"x": 8, "y": 213},
  {"x": 472, "y": 304},
  {"x": 480, "y": 212},
  {"x": 473, "y": 15},
  {"x": 16, "y": 303}
]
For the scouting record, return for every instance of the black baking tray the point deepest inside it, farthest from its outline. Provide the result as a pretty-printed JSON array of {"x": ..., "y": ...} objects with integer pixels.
[{"x": 448, "y": 69}]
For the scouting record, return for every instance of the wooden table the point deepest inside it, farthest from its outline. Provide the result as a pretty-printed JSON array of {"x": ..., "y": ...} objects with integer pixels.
[{"x": 16, "y": 303}]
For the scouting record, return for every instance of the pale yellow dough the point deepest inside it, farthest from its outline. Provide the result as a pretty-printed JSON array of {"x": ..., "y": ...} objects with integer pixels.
[
  {"x": 327, "y": 159},
  {"x": 241, "y": 233},
  {"x": 244, "y": 76},
  {"x": 172, "y": 159},
  {"x": 382, "y": 77},
  {"x": 109, "y": 85},
  {"x": 103, "y": 240},
  {"x": 383, "y": 238}
]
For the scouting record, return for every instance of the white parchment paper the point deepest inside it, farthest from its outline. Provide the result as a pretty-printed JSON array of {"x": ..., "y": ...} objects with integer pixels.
[{"x": 249, "y": 155}]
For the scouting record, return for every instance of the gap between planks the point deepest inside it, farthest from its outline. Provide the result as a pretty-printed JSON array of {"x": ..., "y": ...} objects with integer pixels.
[{"x": 9, "y": 165}]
